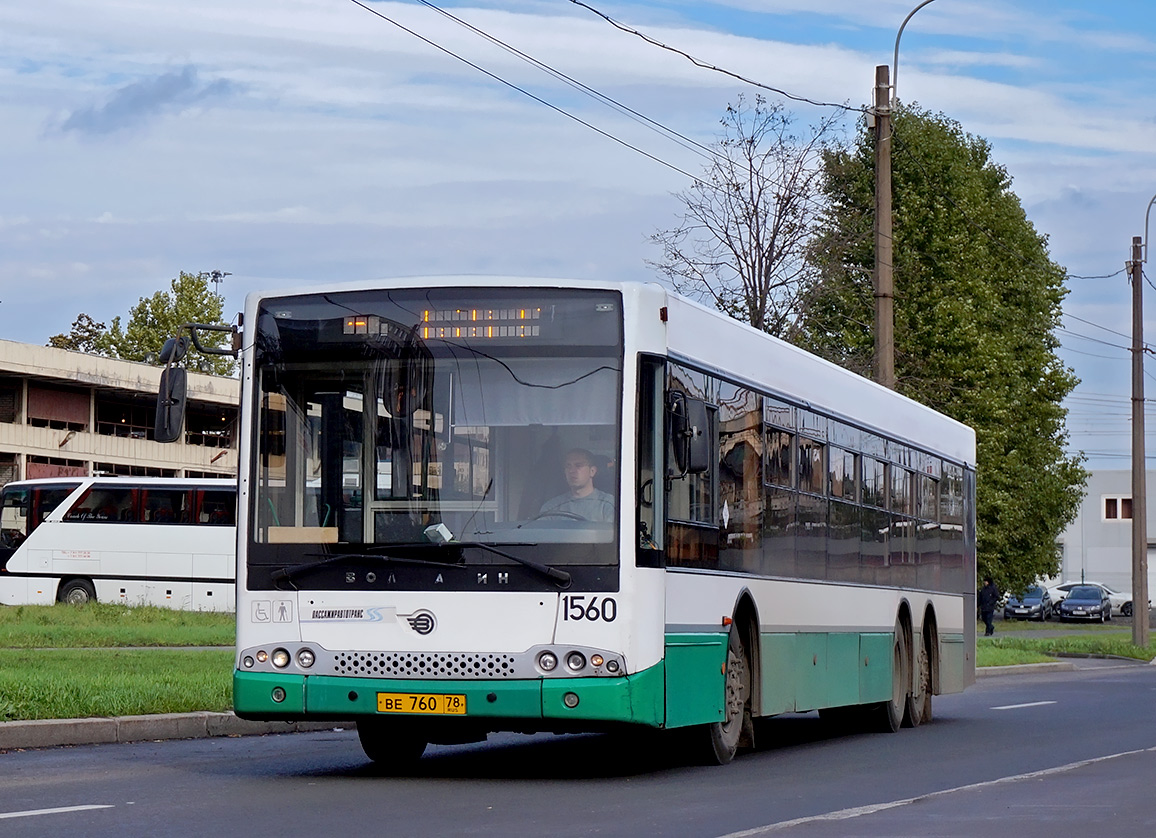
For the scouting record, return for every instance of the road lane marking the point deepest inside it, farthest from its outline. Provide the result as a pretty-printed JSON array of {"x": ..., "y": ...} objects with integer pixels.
[
  {"x": 859, "y": 811},
  {"x": 33, "y": 812},
  {"x": 1022, "y": 706}
]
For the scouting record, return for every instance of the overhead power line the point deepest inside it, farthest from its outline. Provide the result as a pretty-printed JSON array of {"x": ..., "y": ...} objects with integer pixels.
[
  {"x": 522, "y": 90},
  {"x": 713, "y": 68}
]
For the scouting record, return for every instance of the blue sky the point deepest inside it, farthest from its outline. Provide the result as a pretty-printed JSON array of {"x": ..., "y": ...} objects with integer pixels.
[{"x": 296, "y": 141}]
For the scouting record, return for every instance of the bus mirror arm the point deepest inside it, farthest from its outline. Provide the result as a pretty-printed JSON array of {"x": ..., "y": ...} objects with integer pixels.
[{"x": 231, "y": 351}]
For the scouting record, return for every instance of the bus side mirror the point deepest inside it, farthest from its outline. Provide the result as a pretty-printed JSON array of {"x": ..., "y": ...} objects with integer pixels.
[
  {"x": 689, "y": 441},
  {"x": 170, "y": 419}
]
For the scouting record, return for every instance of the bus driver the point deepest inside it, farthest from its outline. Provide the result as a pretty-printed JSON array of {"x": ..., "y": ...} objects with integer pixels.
[{"x": 583, "y": 500}]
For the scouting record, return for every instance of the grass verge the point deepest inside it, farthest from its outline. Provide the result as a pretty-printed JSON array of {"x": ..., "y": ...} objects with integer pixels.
[
  {"x": 72, "y": 683},
  {"x": 989, "y": 655},
  {"x": 109, "y": 625},
  {"x": 1118, "y": 644}
]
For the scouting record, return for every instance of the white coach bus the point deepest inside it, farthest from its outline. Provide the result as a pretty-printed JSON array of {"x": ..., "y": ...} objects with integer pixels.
[
  {"x": 471, "y": 505},
  {"x": 150, "y": 540}
]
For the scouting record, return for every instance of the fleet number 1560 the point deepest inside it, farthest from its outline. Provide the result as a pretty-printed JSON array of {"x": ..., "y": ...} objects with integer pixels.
[{"x": 581, "y": 607}]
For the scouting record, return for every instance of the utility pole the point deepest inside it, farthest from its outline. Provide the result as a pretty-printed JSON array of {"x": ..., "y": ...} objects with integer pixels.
[
  {"x": 884, "y": 279},
  {"x": 1139, "y": 473}
]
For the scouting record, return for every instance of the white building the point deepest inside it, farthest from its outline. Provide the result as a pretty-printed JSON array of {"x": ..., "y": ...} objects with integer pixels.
[
  {"x": 1097, "y": 545},
  {"x": 66, "y": 413}
]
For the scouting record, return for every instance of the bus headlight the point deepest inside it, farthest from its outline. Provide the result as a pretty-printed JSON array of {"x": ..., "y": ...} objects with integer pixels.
[
  {"x": 575, "y": 661},
  {"x": 547, "y": 661},
  {"x": 305, "y": 658},
  {"x": 280, "y": 658}
]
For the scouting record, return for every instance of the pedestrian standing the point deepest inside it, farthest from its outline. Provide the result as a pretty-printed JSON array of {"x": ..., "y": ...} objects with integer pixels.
[{"x": 988, "y": 597}]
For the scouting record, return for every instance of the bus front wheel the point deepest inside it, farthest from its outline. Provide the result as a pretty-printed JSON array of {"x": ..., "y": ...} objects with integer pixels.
[
  {"x": 76, "y": 592},
  {"x": 391, "y": 743},
  {"x": 723, "y": 737}
]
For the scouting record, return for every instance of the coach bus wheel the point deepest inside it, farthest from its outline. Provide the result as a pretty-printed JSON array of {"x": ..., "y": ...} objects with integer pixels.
[
  {"x": 77, "y": 592},
  {"x": 890, "y": 713},
  {"x": 919, "y": 702},
  {"x": 389, "y": 743},
  {"x": 724, "y": 736}
]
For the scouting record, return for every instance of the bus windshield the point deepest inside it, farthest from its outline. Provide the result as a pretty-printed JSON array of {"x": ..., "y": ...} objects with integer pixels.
[
  {"x": 438, "y": 417},
  {"x": 22, "y": 508}
]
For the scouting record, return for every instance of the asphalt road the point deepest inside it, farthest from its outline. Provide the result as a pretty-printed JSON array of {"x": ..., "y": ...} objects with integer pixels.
[{"x": 1034, "y": 755}]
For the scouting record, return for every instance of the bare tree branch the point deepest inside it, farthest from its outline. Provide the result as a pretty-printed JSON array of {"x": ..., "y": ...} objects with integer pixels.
[{"x": 746, "y": 226}]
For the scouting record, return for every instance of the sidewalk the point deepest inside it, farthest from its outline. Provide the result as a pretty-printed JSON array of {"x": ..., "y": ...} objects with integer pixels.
[{"x": 52, "y": 733}]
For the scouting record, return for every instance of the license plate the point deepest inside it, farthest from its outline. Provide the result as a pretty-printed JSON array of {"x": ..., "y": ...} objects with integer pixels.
[
  {"x": 1021, "y": 611},
  {"x": 1079, "y": 611},
  {"x": 436, "y": 703}
]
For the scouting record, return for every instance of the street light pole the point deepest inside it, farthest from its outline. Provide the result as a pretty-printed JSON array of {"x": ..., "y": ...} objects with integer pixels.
[
  {"x": 884, "y": 271},
  {"x": 1139, "y": 461}
]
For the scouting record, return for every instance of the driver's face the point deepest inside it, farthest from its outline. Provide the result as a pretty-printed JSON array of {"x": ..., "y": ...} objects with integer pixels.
[{"x": 579, "y": 473}]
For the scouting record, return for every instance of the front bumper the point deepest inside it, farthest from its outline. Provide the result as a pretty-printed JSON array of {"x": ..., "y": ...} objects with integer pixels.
[{"x": 629, "y": 699}]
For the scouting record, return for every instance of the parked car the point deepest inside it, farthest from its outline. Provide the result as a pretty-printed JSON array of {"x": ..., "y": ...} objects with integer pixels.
[
  {"x": 1121, "y": 602},
  {"x": 1086, "y": 602},
  {"x": 1035, "y": 604}
]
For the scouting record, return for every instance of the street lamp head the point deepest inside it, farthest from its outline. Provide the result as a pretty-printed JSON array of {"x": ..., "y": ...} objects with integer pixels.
[
  {"x": 1144, "y": 247},
  {"x": 895, "y": 60}
]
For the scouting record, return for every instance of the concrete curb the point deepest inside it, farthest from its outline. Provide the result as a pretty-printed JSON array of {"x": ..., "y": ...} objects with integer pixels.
[
  {"x": 1022, "y": 669},
  {"x": 53, "y": 733}
]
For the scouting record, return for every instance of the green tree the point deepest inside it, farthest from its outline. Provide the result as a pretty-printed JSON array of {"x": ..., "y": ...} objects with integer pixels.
[
  {"x": 152, "y": 321},
  {"x": 977, "y": 303},
  {"x": 86, "y": 335},
  {"x": 742, "y": 240}
]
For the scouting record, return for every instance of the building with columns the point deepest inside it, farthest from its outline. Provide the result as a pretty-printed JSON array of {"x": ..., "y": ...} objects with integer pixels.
[{"x": 66, "y": 413}]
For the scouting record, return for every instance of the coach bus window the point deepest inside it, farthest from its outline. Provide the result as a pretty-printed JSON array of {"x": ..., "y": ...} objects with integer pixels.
[
  {"x": 811, "y": 471},
  {"x": 13, "y": 517},
  {"x": 217, "y": 509},
  {"x": 841, "y": 473},
  {"x": 740, "y": 451},
  {"x": 778, "y": 413},
  {"x": 779, "y": 457},
  {"x": 873, "y": 490},
  {"x": 103, "y": 503},
  {"x": 165, "y": 506}
]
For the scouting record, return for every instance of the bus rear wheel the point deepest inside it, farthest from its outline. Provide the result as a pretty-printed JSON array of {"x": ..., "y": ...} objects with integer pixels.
[
  {"x": 889, "y": 714},
  {"x": 76, "y": 592},
  {"x": 919, "y": 702},
  {"x": 391, "y": 743},
  {"x": 723, "y": 737}
]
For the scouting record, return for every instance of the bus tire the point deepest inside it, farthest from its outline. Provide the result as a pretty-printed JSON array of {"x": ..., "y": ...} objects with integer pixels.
[
  {"x": 76, "y": 592},
  {"x": 889, "y": 714},
  {"x": 723, "y": 737},
  {"x": 392, "y": 743},
  {"x": 919, "y": 701}
]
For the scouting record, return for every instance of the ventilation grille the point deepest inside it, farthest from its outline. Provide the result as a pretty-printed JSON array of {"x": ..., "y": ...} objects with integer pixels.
[{"x": 424, "y": 665}]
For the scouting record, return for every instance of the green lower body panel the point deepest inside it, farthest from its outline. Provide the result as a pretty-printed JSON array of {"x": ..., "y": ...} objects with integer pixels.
[
  {"x": 801, "y": 672},
  {"x": 631, "y": 699},
  {"x": 694, "y": 678}
]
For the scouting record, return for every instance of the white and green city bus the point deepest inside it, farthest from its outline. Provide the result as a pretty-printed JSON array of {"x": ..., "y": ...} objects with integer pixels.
[{"x": 416, "y": 549}]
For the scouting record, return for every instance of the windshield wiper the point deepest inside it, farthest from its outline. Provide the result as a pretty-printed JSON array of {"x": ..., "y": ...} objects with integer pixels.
[
  {"x": 560, "y": 576},
  {"x": 286, "y": 574}
]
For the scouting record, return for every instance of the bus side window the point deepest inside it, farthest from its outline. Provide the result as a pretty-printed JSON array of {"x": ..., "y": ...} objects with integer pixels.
[{"x": 218, "y": 509}]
